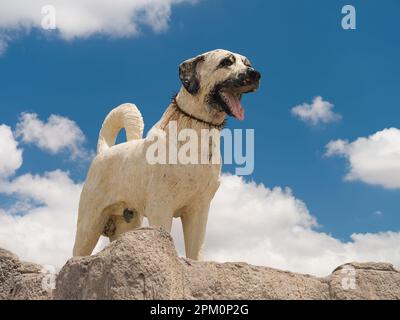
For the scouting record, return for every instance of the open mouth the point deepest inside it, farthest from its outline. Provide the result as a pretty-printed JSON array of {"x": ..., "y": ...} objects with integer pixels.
[
  {"x": 227, "y": 95},
  {"x": 229, "y": 99},
  {"x": 232, "y": 104}
]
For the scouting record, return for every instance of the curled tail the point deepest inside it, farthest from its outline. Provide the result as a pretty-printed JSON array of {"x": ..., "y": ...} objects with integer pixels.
[{"x": 125, "y": 116}]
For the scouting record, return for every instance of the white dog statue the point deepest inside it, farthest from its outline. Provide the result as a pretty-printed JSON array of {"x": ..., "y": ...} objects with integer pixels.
[{"x": 123, "y": 186}]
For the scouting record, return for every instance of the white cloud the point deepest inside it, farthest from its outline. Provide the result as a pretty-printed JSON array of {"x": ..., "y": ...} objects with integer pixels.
[
  {"x": 40, "y": 225},
  {"x": 374, "y": 160},
  {"x": 319, "y": 111},
  {"x": 84, "y": 18},
  {"x": 262, "y": 226},
  {"x": 10, "y": 154},
  {"x": 378, "y": 213},
  {"x": 56, "y": 135},
  {"x": 42, "y": 231},
  {"x": 248, "y": 222}
]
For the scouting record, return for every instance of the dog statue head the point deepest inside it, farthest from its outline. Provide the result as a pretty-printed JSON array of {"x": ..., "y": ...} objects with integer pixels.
[{"x": 214, "y": 82}]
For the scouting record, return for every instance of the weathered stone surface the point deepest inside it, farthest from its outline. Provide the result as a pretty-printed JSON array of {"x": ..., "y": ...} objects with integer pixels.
[
  {"x": 22, "y": 280},
  {"x": 372, "y": 281},
  {"x": 143, "y": 264}
]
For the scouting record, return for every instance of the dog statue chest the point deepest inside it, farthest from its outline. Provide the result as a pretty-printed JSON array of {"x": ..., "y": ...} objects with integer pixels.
[{"x": 190, "y": 178}]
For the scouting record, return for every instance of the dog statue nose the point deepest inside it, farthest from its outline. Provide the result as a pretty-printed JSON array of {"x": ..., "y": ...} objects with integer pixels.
[{"x": 253, "y": 74}]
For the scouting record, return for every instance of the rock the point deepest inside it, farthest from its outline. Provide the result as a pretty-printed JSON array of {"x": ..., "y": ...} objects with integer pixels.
[
  {"x": 22, "y": 280},
  {"x": 372, "y": 281},
  {"x": 143, "y": 264}
]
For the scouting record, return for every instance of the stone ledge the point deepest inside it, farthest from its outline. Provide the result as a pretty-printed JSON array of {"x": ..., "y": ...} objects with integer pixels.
[{"x": 143, "y": 264}]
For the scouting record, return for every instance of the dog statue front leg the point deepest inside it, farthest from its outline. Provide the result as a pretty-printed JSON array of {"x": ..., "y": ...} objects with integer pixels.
[{"x": 194, "y": 223}]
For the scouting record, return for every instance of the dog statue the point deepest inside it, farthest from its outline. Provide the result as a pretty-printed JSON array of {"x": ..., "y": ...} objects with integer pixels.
[{"x": 122, "y": 187}]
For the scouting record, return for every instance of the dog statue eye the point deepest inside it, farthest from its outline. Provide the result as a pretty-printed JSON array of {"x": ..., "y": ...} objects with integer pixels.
[
  {"x": 247, "y": 63},
  {"x": 227, "y": 62}
]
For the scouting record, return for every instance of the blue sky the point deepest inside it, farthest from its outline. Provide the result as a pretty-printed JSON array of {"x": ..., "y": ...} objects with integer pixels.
[{"x": 301, "y": 51}]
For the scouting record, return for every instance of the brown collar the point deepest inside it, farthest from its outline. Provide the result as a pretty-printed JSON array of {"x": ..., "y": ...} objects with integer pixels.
[{"x": 212, "y": 125}]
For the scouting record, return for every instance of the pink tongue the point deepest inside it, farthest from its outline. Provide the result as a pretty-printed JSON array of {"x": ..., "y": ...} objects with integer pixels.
[{"x": 235, "y": 105}]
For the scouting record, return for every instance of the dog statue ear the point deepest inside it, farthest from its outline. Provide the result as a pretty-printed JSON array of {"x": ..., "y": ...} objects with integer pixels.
[{"x": 188, "y": 75}]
